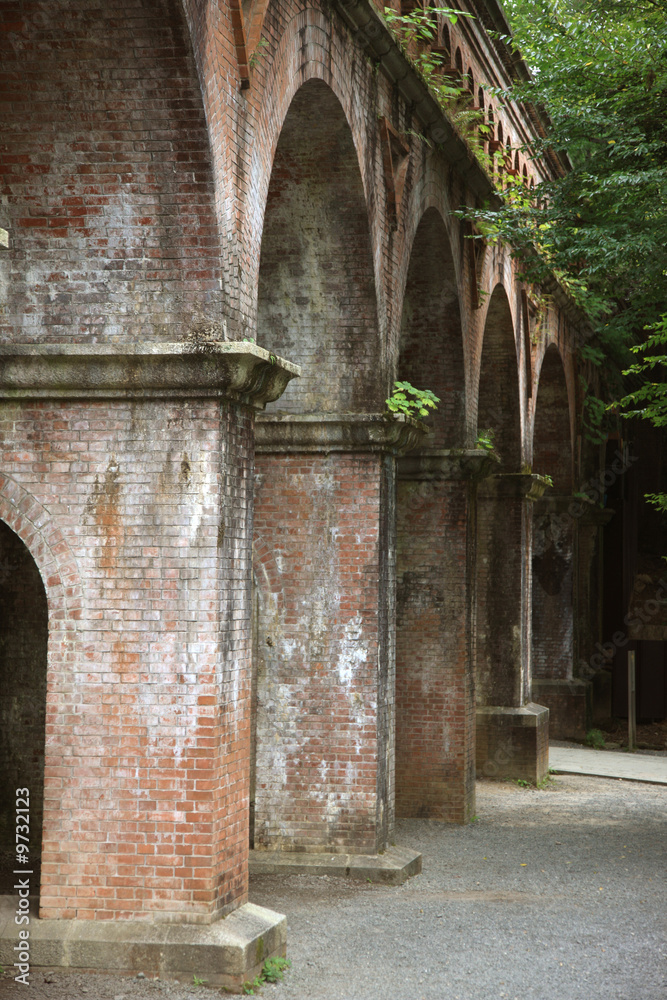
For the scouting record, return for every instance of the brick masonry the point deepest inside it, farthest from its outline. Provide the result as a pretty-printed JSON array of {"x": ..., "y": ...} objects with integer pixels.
[
  {"x": 148, "y": 198},
  {"x": 145, "y": 798}
]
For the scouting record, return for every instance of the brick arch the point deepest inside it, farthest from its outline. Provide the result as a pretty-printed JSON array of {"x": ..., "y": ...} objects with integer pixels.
[
  {"x": 431, "y": 339},
  {"x": 498, "y": 398},
  {"x": 109, "y": 149},
  {"x": 552, "y": 426},
  {"x": 278, "y": 76},
  {"x": 56, "y": 567},
  {"x": 33, "y": 524},
  {"x": 316, "y": 296}
]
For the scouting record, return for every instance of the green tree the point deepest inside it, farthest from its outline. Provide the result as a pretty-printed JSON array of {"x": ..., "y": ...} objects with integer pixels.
[{"x": 599, "y": 70}]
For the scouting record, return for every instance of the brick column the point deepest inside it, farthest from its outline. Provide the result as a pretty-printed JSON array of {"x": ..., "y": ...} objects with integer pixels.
[
  {"x": 324, "y": 568},
  {"x": 435, "y": 701},
  {"x": 555, "y": 680},
  {"x": 512, "y": 731},
  {"x": 138, "y": 462}
]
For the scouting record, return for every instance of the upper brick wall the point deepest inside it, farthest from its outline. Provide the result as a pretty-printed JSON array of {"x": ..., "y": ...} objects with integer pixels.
[{"x": 106, "y": 186}]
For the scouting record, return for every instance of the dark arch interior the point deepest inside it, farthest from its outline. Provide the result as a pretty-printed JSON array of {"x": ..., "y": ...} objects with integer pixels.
[
  {"x": 431, "y": 355},
  {"x": 552, "y": 450},
  {"x": 23, "y": 644},
  {"x": 316, "y": 301},
  {"x": 498, "y": 407}
]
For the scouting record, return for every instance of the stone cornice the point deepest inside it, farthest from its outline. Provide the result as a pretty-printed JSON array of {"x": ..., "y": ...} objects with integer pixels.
[
  {"x": 515, "y": 486},
  {"x": 280, "y": 433},
  {"x": 240, "y": 371},
  {"x": 555, "y": 504},
  {"x": 595, "y": 516},
  {"x": 451, "y": 463}
]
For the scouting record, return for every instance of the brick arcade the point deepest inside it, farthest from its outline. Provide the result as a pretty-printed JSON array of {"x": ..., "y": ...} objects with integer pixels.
[{"x": 242, "y": 609}]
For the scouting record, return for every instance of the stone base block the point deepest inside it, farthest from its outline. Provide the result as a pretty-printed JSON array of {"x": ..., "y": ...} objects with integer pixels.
[
  {"x": 513, "y": 742},
  {"x": 391, "y": 868},
  {"x": 226, "y": 953},
  {"x": 570, "y": 707}
]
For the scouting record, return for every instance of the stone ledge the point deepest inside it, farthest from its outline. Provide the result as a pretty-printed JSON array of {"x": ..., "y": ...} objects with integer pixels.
[
  {"x": 281, "y": 433},
  {"x": 514, "y": 486},
  {"x": 391, "y": 868},
  {"x": 451, "y": 463},
  {"x": 226, "y": 953},
  {"x": 243, "y": 372},
  {"x": 530, "y": 714}
]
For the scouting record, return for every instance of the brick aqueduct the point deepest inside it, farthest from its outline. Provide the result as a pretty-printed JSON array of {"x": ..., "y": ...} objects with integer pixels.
[{"x": 181, "y": 183}]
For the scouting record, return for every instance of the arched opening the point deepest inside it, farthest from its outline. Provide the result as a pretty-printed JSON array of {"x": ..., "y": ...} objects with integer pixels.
[
  {"x": 23, "y": 655},
  {"x": 552, "y": 437},
  {"x": 316, "y": 300},
  {"x": 432, "y": 778},
  {"x": 553, "y": 558},
  {"x": 431, "y": 346},
  {"x": 498, "y": 406},
  {"x": 503, "y": 568},
  {"x": 321, "y": 518}
]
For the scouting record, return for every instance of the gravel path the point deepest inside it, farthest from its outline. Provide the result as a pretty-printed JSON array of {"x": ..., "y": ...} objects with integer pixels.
[{"x": 552, "y": 895}]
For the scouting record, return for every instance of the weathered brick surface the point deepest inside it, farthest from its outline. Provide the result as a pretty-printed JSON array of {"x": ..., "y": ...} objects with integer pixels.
[
  {"x": 324, "y": 680},
  {"x": 148, "y": 197},
  {"x": 147, "y": 715},
  {"x": 105, "y": 175}
]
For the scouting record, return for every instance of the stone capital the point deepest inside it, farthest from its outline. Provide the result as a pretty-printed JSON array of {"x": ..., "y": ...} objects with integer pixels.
[
  {"x": 515, "y": 486},
  {"x": 242, "y": 372},
  {"x": 279, "y": 433},
  {"x": 453, "y": 463}
]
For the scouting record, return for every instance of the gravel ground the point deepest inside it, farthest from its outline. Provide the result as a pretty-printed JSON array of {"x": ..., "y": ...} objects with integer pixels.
[{"x": 552, "y": 895}]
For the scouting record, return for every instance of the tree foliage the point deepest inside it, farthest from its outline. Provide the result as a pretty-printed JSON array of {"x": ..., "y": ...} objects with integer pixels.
[{"x": 599, "y": 70}]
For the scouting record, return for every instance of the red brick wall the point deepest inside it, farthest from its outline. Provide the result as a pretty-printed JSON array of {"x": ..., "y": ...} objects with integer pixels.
[
  {"x": 147, "y": 713},
  {"x": 325, "y": 687},
  {"x": 105, "y": 175},
  {"x": 434, "y": 686}
]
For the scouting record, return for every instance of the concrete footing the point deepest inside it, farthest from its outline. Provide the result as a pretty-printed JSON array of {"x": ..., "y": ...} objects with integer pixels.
[
  {"x": 513, "y": 742},
  {"x": 569, "y": 704},
  {"x": 225, "y": 953},
  {"x": 391, "y": 868}
]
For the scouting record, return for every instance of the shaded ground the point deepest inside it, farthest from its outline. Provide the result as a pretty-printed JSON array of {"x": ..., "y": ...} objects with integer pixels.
[
  {"x": 650, "y": 735},
  {"x": 552, "y": 895}
]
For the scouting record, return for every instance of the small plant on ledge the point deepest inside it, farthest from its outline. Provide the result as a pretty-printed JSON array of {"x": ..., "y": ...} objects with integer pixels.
[
  {"x": 485, "y": 439},
  {"x": 411, "y": 402}
]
